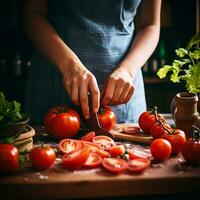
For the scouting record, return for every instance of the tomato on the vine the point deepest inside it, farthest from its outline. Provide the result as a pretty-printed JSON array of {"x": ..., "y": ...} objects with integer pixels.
[
  {"x": 107, "y": 118},
  {"x": 9, "y": 158},
  {"x": 62, "y": 122},
  {"x": 42, "y": 157},
  {"x": 177, "y": 139},
  {"x": 157, "y": 130},
  {"x": 160, "y": 149},
  {"x": 148, "y": 118}
]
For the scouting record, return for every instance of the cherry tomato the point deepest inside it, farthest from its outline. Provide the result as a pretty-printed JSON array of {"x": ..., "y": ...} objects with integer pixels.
[
  {"x": 177, "y": 139},
  {"x": 107, "y": 118},
  {"x": 147, "y": 120},
  {"x": 138, "y": 165},
  {"x": 157, "y": 130},
  {"x": 94, "y": 160},
  {"x": 62, "y": 122},
  {"x": 75, "y": 159},
  {"x": 88, "y": 136},
  {"x": 68, "y": 145},
  {"x": 42, "y": 157},
  {"x": 191, "y": 151},
  {"x": 115, "y": 165},
  {"x": 9, "y": 158},
  {"x": 116, "y": 150},
  {"x": 104, "y": 141},
  {"x": 160, "y": 149}
]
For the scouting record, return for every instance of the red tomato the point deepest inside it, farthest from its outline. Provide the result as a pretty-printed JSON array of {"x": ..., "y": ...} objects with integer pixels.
[
  {"x": 131, "y": 130},
  {"x": 68, "y": 145},
  {"x": 160, "y": 149},
  {"x": 104, "y": 141},
  {"x": 115, "y": 165},
  {"x": 42, "y": 157},
  {"x": 9, "y": 158},
  {"x": 62, "y": 122},
  {"x": 75, "y": 159},
  {"x": 134, "y": 154},
  {"x": 157, "y": 130},
  {"x": 94, "y": 160},
  {"x": 116, "y": 150},
  {"x": 147, "y": 120},
  {"x": 191, "y": 151},
  {"x": 138, "y": 165},
  {"x": 107, "y": 118},
  {"x": 177, "y": 140},
  {"x": 88, "y": 136}
]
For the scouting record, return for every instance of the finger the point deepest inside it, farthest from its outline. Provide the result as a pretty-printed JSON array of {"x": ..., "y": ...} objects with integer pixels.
[
  {"x": 68, "y": 88},
  {"x": 74, "y": 92},
  {"x": 124, "y": 94},
  {"x": 83, "y": 97},
  {"x": 109, "y": 91},
  {"x": 95, "y": 93},
  {"x": 130, "y": 94}
]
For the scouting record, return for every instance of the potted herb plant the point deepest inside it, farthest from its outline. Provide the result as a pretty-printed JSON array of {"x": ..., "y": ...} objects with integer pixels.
[{"x": 186, "y": 67}]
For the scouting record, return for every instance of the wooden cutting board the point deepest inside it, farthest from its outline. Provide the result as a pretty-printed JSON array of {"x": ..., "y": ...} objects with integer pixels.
[{"x": 119, "y": 133}]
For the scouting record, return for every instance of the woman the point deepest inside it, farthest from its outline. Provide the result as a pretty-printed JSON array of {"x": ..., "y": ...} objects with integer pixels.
[{"x": 87, "y": 45}]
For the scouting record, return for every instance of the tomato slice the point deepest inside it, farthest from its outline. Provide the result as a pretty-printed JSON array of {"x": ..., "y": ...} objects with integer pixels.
[
  {"x": 131, "y": 130},
  {"x": 115, "y": 165},
  {"x": 88, "y": 136},
  {"x": 75, "y": 159},
  {"x": 117, "y": 150},
  {"x": 94, "y": 160},
  {"x": 104, "y": 141},
  {"x": 133, "y": 154},
  {"x": 138, "y": 165},
  {"x": 68, "y": 145}
]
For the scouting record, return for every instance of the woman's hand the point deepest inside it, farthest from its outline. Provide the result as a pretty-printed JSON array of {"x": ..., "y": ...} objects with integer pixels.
[
  {"x": 118, "y": 88},
  {"x": 78, "y": 81}
]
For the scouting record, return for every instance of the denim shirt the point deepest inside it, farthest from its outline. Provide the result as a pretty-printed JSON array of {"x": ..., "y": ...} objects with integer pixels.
[{"x": 100, "y": 33}]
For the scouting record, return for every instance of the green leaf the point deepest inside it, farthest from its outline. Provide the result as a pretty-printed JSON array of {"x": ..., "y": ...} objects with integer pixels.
[
  {"x": 162, "y": 72},
  {"x": 195, "y": 54},
  {"x": 181, "y": 52},
  {"x": 193, "y": 41}
]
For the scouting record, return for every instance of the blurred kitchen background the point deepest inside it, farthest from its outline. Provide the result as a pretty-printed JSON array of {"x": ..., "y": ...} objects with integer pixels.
[{"x": 180, "y": 21}]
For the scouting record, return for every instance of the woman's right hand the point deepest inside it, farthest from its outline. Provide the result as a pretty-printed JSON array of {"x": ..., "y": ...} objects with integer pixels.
[{"x": 78, "y": 81}]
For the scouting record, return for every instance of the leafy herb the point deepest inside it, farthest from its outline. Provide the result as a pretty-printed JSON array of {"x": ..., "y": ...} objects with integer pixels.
[
  {"x": 10, "y": 111},
  {"x": 186, "y": 67}
]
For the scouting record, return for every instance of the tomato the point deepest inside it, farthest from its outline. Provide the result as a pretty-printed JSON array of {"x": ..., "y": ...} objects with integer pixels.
[
  {"x": 134, "y": 154},
  {"x": 62, "y": 122},
  {"x": 94, "y": 160},
  {"x": 131, "y": 130},
  {"x": 191, "y": 151},
  {"x": 116, "y": 150},
  {"x": 88, "y": 136},
  {"x": 157, "y": 130},
  {"x": 68, "y": 145},
  {"x": 160, "y": 149},
  {"x": 104, "y": 141},
  {"x": 42, "y": 157},
  {"x": 107, "y": 118},
  {"x": 138, "y": 165},
  {"x": 9, "y": 158},
  {"x": 115, "y": 165},
  {"x": 147, "y": 119},
  {"x": 177, "y": 139},
  {"x": 75, "y": 159}
]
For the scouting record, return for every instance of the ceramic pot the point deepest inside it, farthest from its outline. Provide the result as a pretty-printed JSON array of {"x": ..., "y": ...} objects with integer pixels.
[{"x": 185, "y": 112}]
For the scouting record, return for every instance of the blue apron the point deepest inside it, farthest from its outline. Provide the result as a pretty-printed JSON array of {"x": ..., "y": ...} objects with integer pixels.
[{"x": 100, "y": 33}]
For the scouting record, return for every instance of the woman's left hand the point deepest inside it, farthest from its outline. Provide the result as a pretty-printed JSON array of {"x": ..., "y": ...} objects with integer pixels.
[{"x": 118, "y": 88}]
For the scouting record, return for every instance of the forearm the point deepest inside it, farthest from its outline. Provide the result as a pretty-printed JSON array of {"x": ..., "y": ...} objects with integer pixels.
[{"x": 142, "y": 47}]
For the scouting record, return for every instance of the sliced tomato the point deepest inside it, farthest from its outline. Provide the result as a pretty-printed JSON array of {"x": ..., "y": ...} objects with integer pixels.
[
  {"x": 104, "y": 141},
  {"x": 75, "y": 159},
  {"x": 94, "y": 160},
  {"x": 88, "y": 136},
  {"x": 102, "y": 153},
  {"x": 68, "y": 145},
  {"x": 133, "y": 154},
  {"x": 116, "y": 150},
  {"x": 131, "y": 130},
  {"x": 114, "y": 165},
  {"x": 138, "y": 165}
]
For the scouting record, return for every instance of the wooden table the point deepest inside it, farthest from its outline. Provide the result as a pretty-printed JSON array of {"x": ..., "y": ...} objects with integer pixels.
[{"x": 170, "y": 177}]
